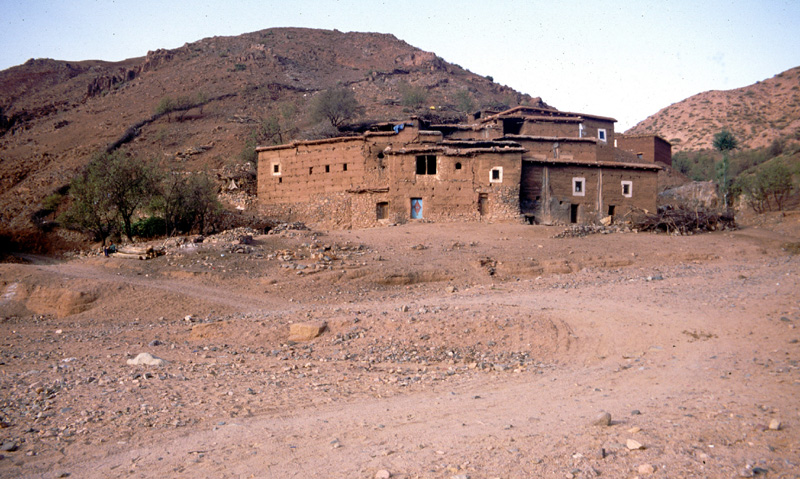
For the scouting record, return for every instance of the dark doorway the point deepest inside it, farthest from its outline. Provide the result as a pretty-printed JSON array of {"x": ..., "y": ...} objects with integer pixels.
[
  {"x": 382, "y": 210},
  {"x": 573, "y": 213},
  {"x": 483, "y": 203},
  {"x": 611, "y": 209}
]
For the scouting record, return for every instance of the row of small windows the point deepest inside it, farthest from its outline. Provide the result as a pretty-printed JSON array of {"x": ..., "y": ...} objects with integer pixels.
[
  {"x": 579, "y": 187},
  {"x": 276, "y": 169}
]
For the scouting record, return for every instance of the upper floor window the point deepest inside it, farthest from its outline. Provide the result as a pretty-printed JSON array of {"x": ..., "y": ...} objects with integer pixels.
[
  {"x": 601, "y": 135},
  {"x": 426, "y": 164},
  {"x": 579, "y": 187},
  {"x": 276, "y": 168},
  {"x": 496, "y": 175}
]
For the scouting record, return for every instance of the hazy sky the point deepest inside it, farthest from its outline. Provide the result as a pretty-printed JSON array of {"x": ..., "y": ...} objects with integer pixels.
[{"x": 626, "y": 59}]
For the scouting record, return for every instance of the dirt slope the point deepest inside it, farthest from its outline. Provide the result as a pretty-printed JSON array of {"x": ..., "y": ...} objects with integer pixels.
[
  {"x": 756, "y": 114},
  {"x": 451, "y": 351},
  {"x": 61, "y": 113}
]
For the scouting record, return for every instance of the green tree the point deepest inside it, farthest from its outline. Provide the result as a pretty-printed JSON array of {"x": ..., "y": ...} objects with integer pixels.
[
  {"x": 165, "y": 107},
  {"x": 112, "y": 187},
  {"x": 464, "y": 101},
  {"x": 724, "y": 141},
  {"x": 413, "y": 96},
  {"x": 187, "y": 202},
  {"x": 91, "y": 209},
  {"x": 338, "y": 106},
  {"x": 771, "y": 184}
]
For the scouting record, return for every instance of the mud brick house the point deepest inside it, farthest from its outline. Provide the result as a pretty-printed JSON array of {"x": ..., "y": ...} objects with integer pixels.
[
  {"x": 524, "y": 164},
  {"x": 649, "y": 148}
]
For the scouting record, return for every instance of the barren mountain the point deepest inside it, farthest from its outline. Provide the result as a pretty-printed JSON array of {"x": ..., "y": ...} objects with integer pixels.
[
  {"x": 57, "y": 114},
  {"x": 756, "y": 114}
]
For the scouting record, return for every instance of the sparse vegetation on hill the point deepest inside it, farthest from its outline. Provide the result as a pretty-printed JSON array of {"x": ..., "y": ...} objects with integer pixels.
[
  {"x": 757, "y": 114},
  {"x": 230, "y": 95}
]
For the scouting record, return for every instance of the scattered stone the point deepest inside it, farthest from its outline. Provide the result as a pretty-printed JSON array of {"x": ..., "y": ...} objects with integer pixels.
[
  {"x": 602, "y": 419},
  {"x": 451, "y": 289},
  {"x": 635, "y": 412},
  {"x": 383, "y": 474},
  {"x": 306, "y": 331},
  {"x": 746, "y": 472},
  {"x": 633, "y": 445},
  {"x": 460, "y": 476},
  {"x": 646, "y": 469},
  {"x": 775, "y": 425},
  {"x": 760, "y": 470},
  {"x": 634, "y": 429},
  {"x": 155, "y": 342},
  {"x": 9, "y": 446},
  {"x": 146, "y": 359}
]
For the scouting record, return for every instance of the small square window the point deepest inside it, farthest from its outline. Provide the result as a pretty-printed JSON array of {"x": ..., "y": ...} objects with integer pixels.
[
  {"x": 458, "y": 165},
  {"x": 627, "y": 189},
  {"x": 601, "y": 135},
  {"x": 276, "y": 169},
  {"x": 496, "y": 175},
  {"x": 579, "y": 186}
]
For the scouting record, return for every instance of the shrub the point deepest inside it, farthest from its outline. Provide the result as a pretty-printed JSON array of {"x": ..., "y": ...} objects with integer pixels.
[
  {"x": 150, "y": 227},
  {"x": 337, "y": 106}
]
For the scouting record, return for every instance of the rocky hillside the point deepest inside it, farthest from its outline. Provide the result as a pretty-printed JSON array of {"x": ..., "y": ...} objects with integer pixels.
[
  {"x": 757, "y": 114},
  {"x": 56, "y": 114}
]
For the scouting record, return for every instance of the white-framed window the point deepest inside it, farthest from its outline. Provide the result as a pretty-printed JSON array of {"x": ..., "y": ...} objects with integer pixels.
[
  {"x": 275, "y": 167},
  {"x": 627, "y": 189},
  {"x": 578, "y": 186},
  {"x": 601, "y": 135},
  {"x": 580, "y": 130},
  {"x": 496, "y": 175}
]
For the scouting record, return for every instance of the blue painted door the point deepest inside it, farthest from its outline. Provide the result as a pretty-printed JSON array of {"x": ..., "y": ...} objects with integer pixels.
[{"x": 416, "y": 208}]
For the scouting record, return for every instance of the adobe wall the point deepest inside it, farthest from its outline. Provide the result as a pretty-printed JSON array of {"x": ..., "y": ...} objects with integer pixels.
[
  {"x": 550, "y": 128},
  {"x": 453, "y": 193},
  {"x": 547, "y": 192},
  {"x": 584, "y": 150},
  {"x": 652, "y": 148}
]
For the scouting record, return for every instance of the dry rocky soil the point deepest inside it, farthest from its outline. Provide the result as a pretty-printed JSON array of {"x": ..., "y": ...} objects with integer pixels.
[{"x": 450, "y": 351}]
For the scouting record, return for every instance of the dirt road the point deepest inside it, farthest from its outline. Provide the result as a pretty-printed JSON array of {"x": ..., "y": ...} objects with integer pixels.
[{"x": 451, "y": 351}]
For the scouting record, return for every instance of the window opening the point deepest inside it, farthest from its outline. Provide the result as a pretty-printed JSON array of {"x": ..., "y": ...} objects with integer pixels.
[
  {"x": 426, "y": 164},
  {"x": 496, "y": 175},
  {"x": 310, "y": 170},
  {"x": 578, "y": 186},
  {"x": 611, "y": 209},
  {"x": 276, "y": 169},
  {"x": 601, "y": 134},
  {"x": 327, "y": 168},
  {"x": 458, "y": 165},
  {"x": 627, "y": 189},
  {"x": 344, "y": 167}
]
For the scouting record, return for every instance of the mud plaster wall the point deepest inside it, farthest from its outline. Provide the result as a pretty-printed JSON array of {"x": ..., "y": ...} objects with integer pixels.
[
  {"x": 453, "y": 194},
  {"x": 578, "y": 150},
  {"x": 652, "y": 148},
  {"x": 550, "y": 128},
  {"x": 557, "y": 197}
]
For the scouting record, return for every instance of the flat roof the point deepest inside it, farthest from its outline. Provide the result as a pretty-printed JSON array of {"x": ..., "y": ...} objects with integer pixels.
[
  {"x": 598, "y": 164},
  {"x": 544, "y": 113}
]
